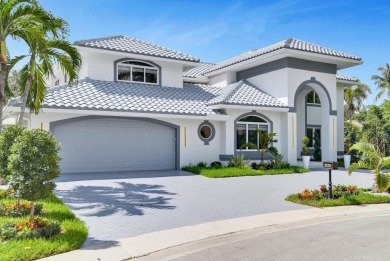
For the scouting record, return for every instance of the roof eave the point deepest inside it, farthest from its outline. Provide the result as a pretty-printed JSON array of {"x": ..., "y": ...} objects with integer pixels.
[
  {"x": 136, "y": 55},
  {"x": 203, "y": 79},
  {"x": 248, "y": 107}
]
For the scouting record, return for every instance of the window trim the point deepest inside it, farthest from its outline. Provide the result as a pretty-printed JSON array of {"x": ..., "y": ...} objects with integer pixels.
[
  {"x": 313, "y": 128},
  {"x": 206, "y": 141},
  {"x": 155, "y": 66}
]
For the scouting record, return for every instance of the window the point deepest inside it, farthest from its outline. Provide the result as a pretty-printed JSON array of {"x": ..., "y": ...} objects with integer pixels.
[
  {"x": 310, "y": 133},
  {"x": 246, "y": 130},
  {"x": 313, "y": 98},
  {"x": 206, "y": 132},
  {"x": 137, "y": 71}
]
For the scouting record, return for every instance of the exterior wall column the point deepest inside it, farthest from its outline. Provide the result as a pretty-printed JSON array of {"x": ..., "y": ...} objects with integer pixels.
[
  {"x": 329, "y": 148},
  {"x": 227, "y": 141}
]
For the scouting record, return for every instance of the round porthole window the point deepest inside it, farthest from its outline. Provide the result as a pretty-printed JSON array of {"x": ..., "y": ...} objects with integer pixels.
[{"x": 206, "y": 132}]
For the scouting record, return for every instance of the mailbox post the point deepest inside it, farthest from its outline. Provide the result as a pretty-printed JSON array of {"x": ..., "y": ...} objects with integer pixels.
[{"x": 330, "y": 165}]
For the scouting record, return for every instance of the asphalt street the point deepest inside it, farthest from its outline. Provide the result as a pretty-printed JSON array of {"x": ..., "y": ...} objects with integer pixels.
[{"x": 359, "y": 239}]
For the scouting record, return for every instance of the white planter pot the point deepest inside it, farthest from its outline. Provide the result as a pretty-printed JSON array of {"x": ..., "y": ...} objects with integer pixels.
[
  {"x": 347, "y": 161},
  {"x": 306, "y": 161}
]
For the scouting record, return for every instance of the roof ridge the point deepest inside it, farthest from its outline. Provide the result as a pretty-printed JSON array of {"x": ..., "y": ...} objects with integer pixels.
[{"x": 100, "y": 38}]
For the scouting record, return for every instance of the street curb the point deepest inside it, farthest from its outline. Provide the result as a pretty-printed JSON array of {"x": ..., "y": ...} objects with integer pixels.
[{"x": 146, "y": 244}]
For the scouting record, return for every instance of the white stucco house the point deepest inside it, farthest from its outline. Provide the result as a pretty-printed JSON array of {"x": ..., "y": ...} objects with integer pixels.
[{"x": 139, "y": 106}]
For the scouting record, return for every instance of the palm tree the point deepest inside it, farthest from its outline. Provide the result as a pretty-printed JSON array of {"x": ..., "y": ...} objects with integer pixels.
[
  {"x": 18, "y": 19},
  {"x": 382, "y": 81},
  {"x": 374, "y": 161},
  {"x": 354, "y": 98},
  {"x": 266, "y": 139},
  {"x": 44, "y": 57}
]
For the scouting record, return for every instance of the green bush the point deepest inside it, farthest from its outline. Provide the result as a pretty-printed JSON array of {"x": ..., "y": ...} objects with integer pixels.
[
  {"x": 34, "y": 163},
  {"x": 3, "y": 194},
  {"x": 7, "y": 139},
  {"x": 216, "y": 165},
  {"x": 202, "y": 164},
  {"x": 12, "y": 209},
  {"x": 305, "y": 149}
]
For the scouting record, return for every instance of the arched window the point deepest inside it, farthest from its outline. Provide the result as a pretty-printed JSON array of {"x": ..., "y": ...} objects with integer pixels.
[
  {"x": 246, "y": 130},
  {"x": 312, "y": 98},
  {"x": 137, "y": 71}
]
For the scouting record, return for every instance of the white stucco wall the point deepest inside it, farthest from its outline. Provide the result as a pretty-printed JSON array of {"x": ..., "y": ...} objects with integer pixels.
[
  {"x": 100, "y": 66},
  {"x": 274, "y": 83},
  {"x": 223, "y": 79},
  {"x": 340, "y": 118}
]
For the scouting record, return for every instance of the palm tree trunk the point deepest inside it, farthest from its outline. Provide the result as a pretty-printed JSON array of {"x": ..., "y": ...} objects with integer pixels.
[
  {"x": 3, "y": 78},
  {"x": 32, "y": 211},
  {"x": 23, "y": 101}
]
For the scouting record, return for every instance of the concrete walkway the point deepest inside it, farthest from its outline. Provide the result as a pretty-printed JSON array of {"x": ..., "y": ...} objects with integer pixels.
[{"x": 167, "y": 240}]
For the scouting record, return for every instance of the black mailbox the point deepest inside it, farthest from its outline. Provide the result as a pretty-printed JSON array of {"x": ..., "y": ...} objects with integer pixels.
[{"x": 330, "y": 165}]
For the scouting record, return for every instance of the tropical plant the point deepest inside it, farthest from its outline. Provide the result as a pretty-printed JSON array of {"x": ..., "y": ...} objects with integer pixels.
[
  {"x": 374, "y": 161},
  {"x": 238, "y": 161},
  {"x": 7, "y": 139},
  {"x": 278, "y": 162},
  {"x": 19, "y": 19},
  {"x": 266, "y": 139},
  {"x": 305, "y": 149},
  {"x": 382, "y": 81},
  {"x": 34, "y": 163},
  {"x": 43, "y": 57},
  {"x": 354, "y": 97},
  {"x": 317, "y": 147}
]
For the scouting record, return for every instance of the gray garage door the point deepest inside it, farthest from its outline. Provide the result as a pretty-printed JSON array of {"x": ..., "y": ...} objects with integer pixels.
[{"x": 115, "y": 144}]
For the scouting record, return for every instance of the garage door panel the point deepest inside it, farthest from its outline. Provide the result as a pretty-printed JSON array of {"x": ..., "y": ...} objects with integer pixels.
[{"x": 114, "y": 144}]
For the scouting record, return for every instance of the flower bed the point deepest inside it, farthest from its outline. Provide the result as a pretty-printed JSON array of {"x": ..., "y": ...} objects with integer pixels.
[
  {"x": 13, "y": 209},
  {"x": 25, "y": 229},
  {"x": 342, "y": 195}
]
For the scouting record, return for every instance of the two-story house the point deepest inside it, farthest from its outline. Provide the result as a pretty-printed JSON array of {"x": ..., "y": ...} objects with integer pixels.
[{"x": 140, "y": 106}]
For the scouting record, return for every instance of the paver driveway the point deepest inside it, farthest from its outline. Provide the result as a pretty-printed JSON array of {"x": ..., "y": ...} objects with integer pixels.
[{"x": 119, "y": 205}]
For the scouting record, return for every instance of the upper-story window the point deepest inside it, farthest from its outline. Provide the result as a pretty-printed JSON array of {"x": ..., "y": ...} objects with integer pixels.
[
  {"x": 313, "y": 98},
  {"x": 137, "y": 71}
]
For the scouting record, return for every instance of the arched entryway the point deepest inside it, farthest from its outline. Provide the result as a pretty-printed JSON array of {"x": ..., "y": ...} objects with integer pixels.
[{"x": 324, "y": 118}]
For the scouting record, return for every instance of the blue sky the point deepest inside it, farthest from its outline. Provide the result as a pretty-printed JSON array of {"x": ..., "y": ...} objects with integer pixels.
[{"x": 217, "y": 30}]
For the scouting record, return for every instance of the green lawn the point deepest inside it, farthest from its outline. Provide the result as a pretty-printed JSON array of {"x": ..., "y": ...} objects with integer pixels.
[
  {"x": 362, "y": 198},
  {"x": 236, "y": 172},
  {"x": 73, "y": 233}
]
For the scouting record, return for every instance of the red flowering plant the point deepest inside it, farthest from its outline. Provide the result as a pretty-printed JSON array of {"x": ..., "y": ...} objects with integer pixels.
[
  {"x": 23, "y": 208},
  {"x": 26, "y": 229},
  {"x": 338, "y": 192}
]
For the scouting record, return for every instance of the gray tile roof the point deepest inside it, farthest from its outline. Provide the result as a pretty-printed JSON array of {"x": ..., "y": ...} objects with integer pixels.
[
  {"x": 346, "y": 78},
  {"x": 245, "y": 93},
  {"x": 90, "y": 94},
  {"x": 291, "y": 43},
  {"x": 192, "y": 99},
  {"x": 128, "y": 44},
  {"x": 199, "y": 70}
]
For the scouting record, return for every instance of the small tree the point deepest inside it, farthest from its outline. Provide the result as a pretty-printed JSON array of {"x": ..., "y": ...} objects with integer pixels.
[
  {"x": 305, "y": 149},
  {"x": 266, "y": 139},
  {"x": 7, "y": 138},
  {"x": 34, "y": 163},
  {"x": 317, "y": 147}
]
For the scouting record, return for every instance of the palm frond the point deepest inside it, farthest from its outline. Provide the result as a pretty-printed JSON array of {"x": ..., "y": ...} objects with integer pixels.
[
  {"x": 359, "y": 165},
  {"x": 382, "y": 181}
]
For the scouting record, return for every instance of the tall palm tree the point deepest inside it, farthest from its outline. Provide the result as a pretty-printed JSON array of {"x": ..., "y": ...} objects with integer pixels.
[
  {"x": 18, "y": 19},
  {"x": 374, "y": 161},
  {"x": 354, "y": 97},
  {"x": 44, "y": 57},
  {"x": 382, "y": 81}
]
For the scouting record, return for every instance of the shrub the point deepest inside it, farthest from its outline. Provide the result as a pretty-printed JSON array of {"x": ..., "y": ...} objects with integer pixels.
[
  {"x": 3, "y": 194},
  {"x": 216, "y": 165},
  {"x": 339, "y": 191},
  {"x": 22, "y": 208},
  {"x": 34, "y": 162},
  {"x": 305, "y": 149},
  {"x": 202, "y": 164},
  {"x": 7, "y": 139},
  {"x": 27, "y": 229},
  {"x": 238, "y": 161},
  {"x": 255, "y": 166}
]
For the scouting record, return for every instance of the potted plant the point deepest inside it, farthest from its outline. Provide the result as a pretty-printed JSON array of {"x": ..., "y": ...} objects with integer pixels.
[
  {"x": 347, "y": 156},
  {"x": 305, "y": 152}
]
